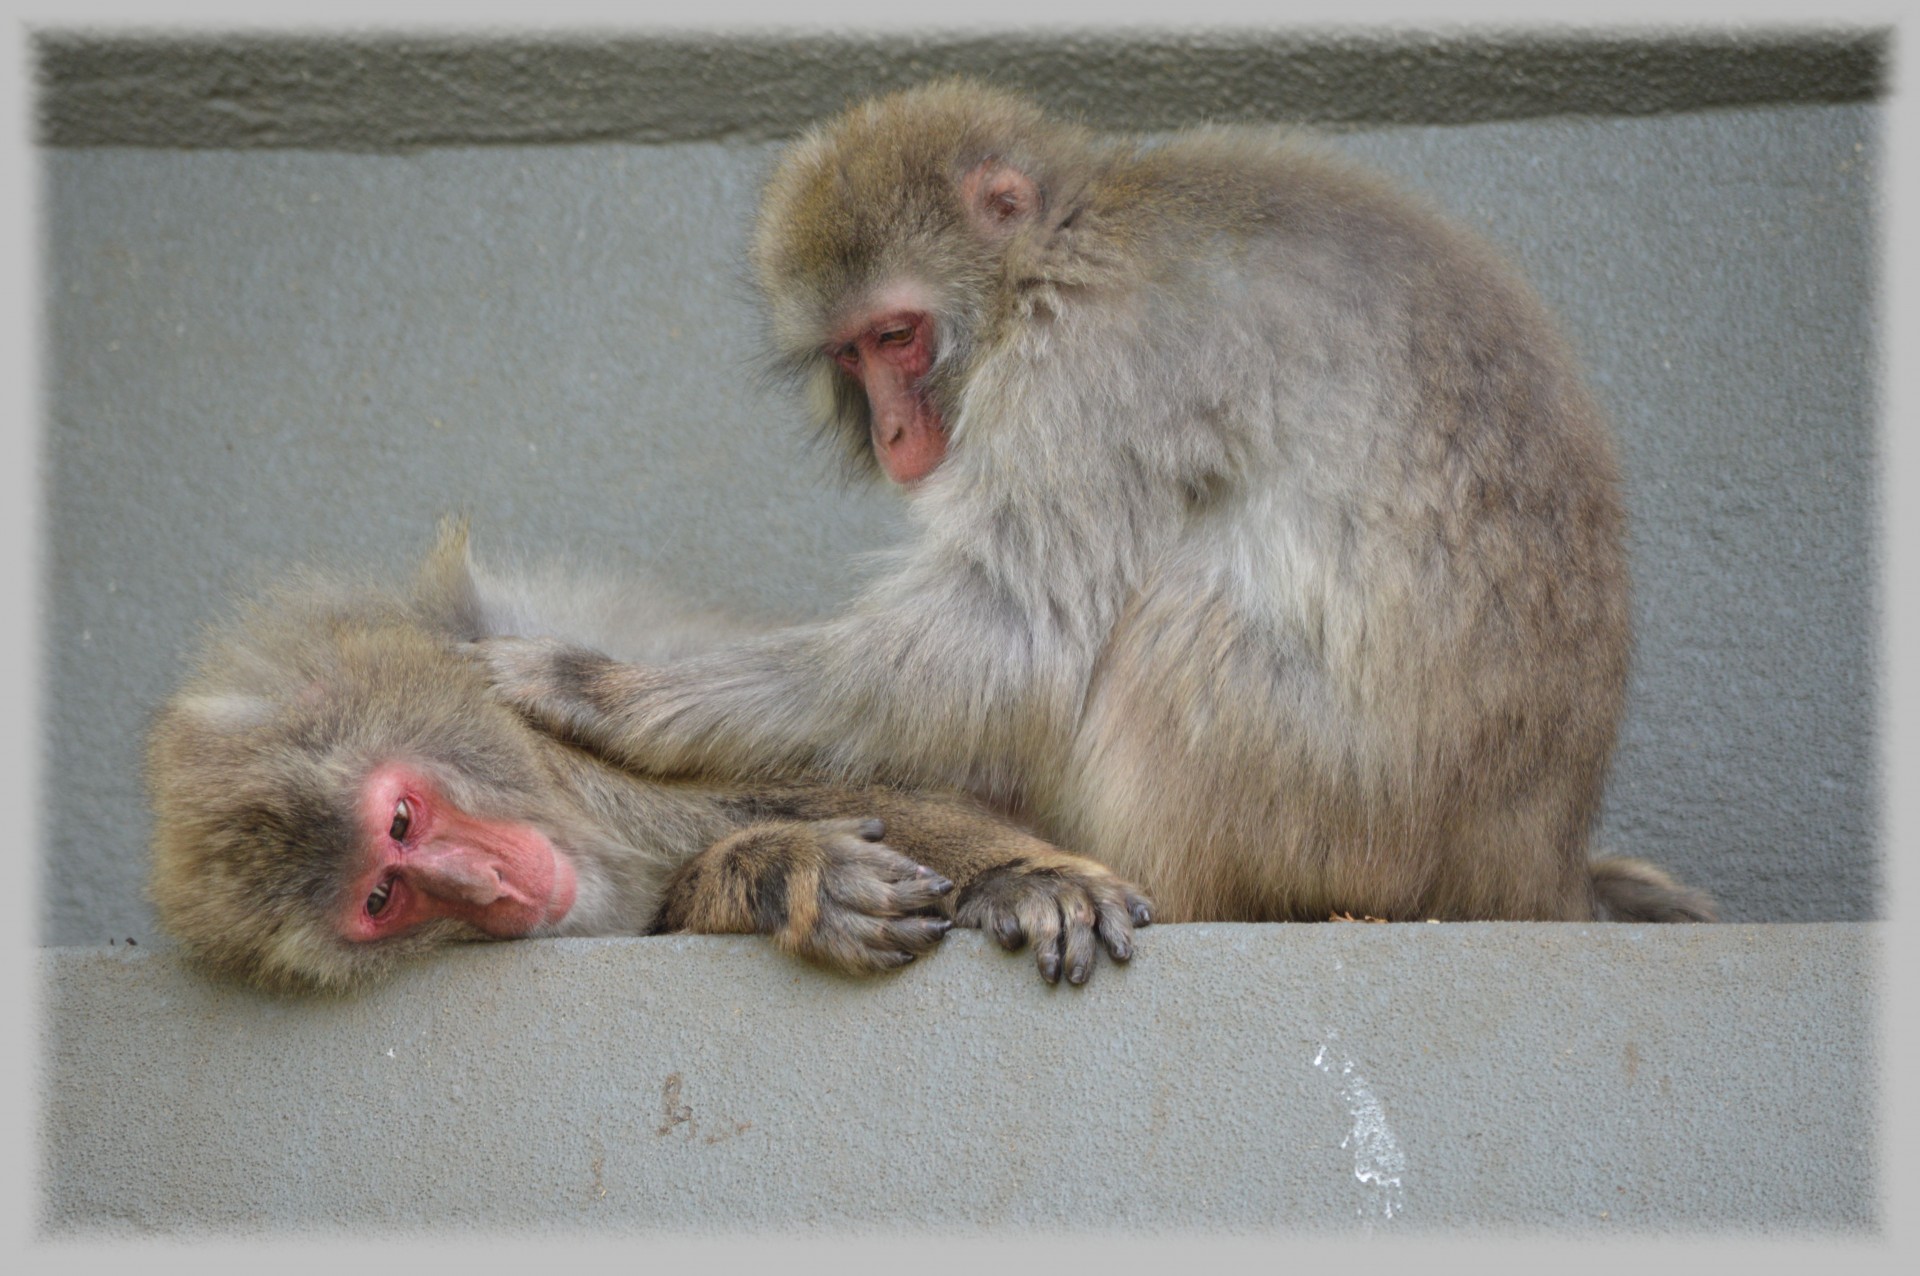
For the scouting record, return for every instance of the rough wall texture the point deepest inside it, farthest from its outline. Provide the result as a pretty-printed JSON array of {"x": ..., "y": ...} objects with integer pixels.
[
  {"x": 1331, "y": 1080},
  {"x": 371, "y": 91}
]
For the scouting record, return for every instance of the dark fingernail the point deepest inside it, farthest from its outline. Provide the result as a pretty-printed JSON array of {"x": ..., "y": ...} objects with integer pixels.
[
  {"x": 1078, "y": 975},
  {"x": 873, "y": 830},
  {"x": 941, "y": 926},
  {"x": 1142, "y": 915},
  {"x": 1050, "y": 969},
  {"x": 1007, "y": 931},
  {"x": 936, "y": 883},
  {"x": 1121, "y": 950}
]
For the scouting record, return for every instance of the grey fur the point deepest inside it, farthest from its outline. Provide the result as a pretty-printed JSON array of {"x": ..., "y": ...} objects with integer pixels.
[{"x": 1276, "y": 560}]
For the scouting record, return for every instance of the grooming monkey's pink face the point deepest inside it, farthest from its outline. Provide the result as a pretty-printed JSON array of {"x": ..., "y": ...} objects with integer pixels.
[
  {"x": 424, "y": 858},
  {"x": 890, "y": 353},
  {"x": 889, "y": 346}
]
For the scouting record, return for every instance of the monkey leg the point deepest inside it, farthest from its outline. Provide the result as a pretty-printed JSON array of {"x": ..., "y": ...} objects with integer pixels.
[{"x": 829, "y": 891}]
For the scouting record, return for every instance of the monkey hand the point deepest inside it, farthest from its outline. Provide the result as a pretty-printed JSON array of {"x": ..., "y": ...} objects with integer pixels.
[
  {"x": 1063, "y": 903},
  {"x": 861, "y": 906},
  {"x": 829, "y": 891},
  {"x": 550, "y": 682}
]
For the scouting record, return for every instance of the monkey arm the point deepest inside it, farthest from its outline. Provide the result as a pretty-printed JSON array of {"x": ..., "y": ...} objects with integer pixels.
[
  {"x": 952, "y": 684},
  {"x": 967, "y": 668},
  {"x": 812, "y": 872}
]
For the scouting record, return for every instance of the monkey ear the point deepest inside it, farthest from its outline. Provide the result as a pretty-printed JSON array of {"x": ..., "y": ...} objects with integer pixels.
[
  {"x": 445, "y": 589},
  {"x": 999, "y": 197}
]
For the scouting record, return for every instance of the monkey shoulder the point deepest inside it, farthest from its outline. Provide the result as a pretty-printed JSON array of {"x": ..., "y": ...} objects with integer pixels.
[{"x": 1236, "y": 199}]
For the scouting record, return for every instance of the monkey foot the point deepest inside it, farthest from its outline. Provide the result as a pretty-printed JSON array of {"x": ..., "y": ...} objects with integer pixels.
[{"x": 1065, "y": 905}]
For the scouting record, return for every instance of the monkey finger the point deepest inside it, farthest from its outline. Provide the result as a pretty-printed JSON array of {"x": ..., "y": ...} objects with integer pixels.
[
  {"x": 872, "y": 878},
  {"x": 916, "y": 879},
  {"x": 1004, "y": 925},
  {"x": 838, "y": 948},
  {"x": 891, "y": 866},
  {"x": 922, "y": 893},
  {"x": 1007, "y": 921},
  {"x": 863, "y": 945},
  {"x": 919, "y": 893},
  {"x": 1114, "y": 924},
  {"x": 916, "y": 934},
  {"x": 912, "y": 935},
  {"x": 1040, "y": 917},
  {"x": 852, "y": 889},
  {"x": 1077, "y": 938}
]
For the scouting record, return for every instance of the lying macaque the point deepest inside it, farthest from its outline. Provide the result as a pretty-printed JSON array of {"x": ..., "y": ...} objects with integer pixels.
[{"x": 336, "y": 789}]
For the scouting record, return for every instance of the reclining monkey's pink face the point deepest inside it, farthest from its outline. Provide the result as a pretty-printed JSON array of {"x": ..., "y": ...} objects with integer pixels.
[{"x": 425, "y": 859}]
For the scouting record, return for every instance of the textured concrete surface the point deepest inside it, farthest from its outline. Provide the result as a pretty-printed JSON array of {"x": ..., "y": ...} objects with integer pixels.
[
  {"x": 224, "y": 89},
  {"x": 1328, "y": 1080},
  {"x": 260, "y": 357}
]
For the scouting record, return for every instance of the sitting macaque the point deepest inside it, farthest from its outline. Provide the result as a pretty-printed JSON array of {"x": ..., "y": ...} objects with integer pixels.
[
  {"x": 1269, "y": 545},
  {"x": 336, "y": 789}
]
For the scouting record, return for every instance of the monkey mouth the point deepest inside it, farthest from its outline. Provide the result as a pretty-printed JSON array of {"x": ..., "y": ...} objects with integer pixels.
[
  {"x": 566, "y": 889},
  {"x": 911, "y": 446}
]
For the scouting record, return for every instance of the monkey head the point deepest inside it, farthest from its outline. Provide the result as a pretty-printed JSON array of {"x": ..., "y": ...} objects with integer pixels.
[
  {"x": 330, "y": 794},
  {"x": 883, "y": 249}
]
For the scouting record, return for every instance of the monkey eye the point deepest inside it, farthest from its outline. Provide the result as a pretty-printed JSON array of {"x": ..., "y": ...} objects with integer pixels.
[
  {"x": 897, "y": 336},
  {"x": 377, "y": 902},
  {"x": 402, "y": 821}
]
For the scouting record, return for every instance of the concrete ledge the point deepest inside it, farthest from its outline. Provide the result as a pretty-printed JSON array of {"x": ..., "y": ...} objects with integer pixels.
[
  {"x": 366, "y": 91},
  {"x": 1329, "y": 1079}
]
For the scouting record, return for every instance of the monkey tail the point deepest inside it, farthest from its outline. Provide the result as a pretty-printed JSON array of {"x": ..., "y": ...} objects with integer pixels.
[{"x": 1627, "y": 890}]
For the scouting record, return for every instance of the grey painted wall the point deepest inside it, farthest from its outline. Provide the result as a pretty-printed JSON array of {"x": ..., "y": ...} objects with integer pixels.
[
  {"x": 1320, "y": 1080},
  {"x": 258, "y": 357}
]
